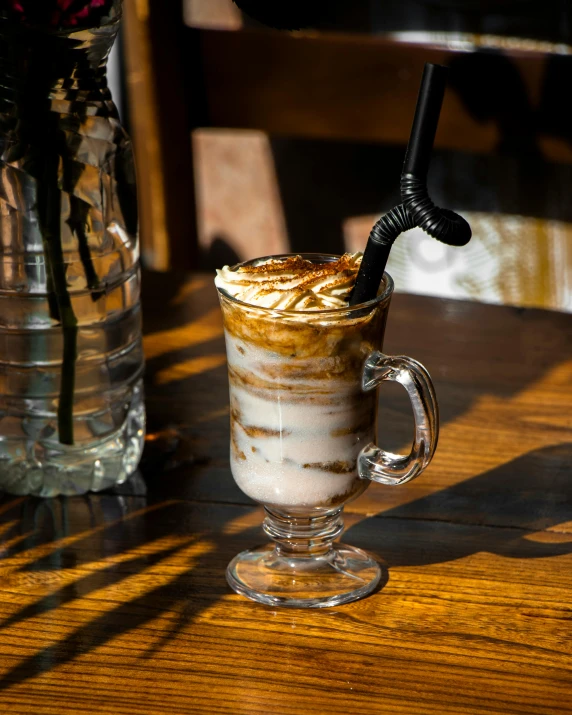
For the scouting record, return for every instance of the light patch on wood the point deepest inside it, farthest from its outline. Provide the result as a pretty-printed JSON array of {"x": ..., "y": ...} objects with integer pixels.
[
  {"x": 207, "y": 327},
  {"x": 188, "y": 368},
  {"x": 190, "y": 287}
]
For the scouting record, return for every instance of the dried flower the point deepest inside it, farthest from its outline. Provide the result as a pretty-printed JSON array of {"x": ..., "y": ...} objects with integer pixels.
[{"x": 59, "y": 13}]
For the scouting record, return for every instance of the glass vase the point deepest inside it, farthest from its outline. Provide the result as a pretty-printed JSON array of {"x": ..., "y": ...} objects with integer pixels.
[{"x": 71, "y": 398}]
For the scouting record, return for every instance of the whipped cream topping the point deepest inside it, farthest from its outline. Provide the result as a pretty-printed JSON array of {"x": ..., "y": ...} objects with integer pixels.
[{"x": 292, "y": 283}]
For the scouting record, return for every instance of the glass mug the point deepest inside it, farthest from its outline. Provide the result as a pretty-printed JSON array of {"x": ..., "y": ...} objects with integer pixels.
[{"x": 303, "y": 408}]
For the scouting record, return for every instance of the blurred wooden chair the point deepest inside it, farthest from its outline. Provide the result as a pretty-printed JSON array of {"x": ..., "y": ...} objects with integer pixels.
[{"x": 314, "y": 85}]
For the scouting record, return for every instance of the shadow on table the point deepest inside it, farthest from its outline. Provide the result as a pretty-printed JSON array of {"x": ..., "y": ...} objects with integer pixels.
[
  {"x": 494, "y": 512},
  {"x": 129, "y": 537}
]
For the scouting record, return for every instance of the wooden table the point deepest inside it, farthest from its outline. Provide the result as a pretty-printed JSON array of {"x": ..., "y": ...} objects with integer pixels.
[{"x": 117, "y": 602}]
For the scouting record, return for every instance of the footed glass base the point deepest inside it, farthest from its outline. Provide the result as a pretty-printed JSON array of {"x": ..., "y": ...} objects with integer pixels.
[{"x": 339, "y": 575}]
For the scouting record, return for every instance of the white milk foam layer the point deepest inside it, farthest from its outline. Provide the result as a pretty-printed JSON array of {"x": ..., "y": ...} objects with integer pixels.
[
  {"x": 292, "y": 283},
  {"x": 292, "y": 447}
]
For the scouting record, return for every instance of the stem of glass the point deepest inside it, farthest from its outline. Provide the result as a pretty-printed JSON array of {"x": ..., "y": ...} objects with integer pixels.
[{"x": 304, "y": 535}]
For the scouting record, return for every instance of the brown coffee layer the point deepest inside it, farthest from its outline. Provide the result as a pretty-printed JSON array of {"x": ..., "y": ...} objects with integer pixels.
[
  {"x": 289, "y": 392},
  {"x": 360, "y": 428},
  {"x": 333, "y": 467},
  {"x": 348, "y": 335},
  {"x": 239, "y": 454},
  {"x": 345, "y": 367},
  {"x": 253, "y": 431},
  {"x": 357, "y": 488}
]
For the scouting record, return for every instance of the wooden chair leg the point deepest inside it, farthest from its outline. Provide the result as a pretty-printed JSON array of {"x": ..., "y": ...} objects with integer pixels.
[{"x": 160, "y": 129}]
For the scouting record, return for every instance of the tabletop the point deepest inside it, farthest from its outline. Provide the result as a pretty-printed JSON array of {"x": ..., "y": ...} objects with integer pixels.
[{"x": 117, "y": 602}]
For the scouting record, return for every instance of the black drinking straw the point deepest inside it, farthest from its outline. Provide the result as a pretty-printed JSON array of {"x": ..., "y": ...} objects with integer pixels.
[{"x": 416, "y": 208}]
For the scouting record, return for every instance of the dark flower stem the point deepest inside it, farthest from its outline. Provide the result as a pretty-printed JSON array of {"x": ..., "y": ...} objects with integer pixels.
[
  {"x": 77, "y": 222},
  {"x": 49, "y": 209},
  {"x": 52, "y": 298}
]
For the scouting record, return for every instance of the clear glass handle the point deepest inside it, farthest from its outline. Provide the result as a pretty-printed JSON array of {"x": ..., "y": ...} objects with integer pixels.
[{"x": 380, "y": 466}]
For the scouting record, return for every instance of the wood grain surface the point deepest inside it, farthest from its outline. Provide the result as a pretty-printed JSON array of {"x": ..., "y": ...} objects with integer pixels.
[{"x": 117, "y": 602}]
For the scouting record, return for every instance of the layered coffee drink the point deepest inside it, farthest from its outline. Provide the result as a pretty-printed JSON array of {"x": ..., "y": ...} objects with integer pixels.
[{"x": 296, "y": 351}]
